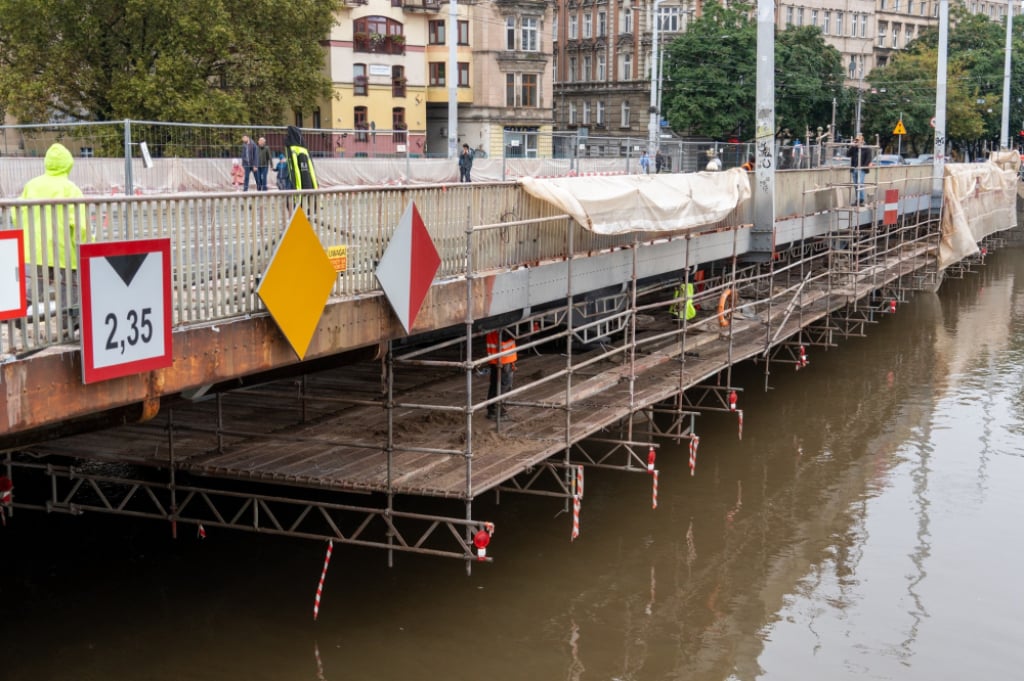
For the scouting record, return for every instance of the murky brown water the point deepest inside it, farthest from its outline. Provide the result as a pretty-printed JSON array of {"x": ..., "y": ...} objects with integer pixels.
[{"x": 868, "y": 526}]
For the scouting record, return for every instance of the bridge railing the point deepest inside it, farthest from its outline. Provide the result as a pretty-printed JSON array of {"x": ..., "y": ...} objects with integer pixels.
[{"x": 221, "y": 244}]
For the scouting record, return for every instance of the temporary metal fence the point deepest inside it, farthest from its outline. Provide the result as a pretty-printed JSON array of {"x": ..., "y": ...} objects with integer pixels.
[{"x": 130, "y": 157}]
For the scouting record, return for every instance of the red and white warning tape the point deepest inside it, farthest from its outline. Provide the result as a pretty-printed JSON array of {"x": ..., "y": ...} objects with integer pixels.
[
  {"x": 323, "y": 576},
  {"x": 694, "y": 443},
  {"x": 577, "y": 503}
]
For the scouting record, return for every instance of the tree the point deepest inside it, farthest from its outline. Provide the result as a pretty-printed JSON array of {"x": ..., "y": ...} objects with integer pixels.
[
  {"x": 214, "y": 61},
  {"x": 712, "y": 70}
]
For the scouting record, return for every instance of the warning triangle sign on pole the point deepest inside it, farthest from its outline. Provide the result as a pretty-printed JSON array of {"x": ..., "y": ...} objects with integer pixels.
[{"x": 899, "y": 129}]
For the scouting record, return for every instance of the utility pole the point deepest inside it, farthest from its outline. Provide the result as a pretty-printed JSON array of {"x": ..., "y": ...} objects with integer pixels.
[
  {"x": 1004, "y": 140},
  {"x": 654, "y": 123},
  {"x": 453, "y": 78}
]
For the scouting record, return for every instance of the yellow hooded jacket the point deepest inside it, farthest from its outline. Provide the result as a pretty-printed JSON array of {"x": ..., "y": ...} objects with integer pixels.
[{"x": 47, "y": 229}]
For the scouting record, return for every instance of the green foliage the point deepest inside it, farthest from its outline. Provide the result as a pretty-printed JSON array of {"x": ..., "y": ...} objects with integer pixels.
[
  {"x": 214, "y": 61},
  {"x": 711, "y": 76}
]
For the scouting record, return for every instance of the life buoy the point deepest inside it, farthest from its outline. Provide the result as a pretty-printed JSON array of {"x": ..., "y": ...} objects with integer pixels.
[{"x": 725, "y": 308}]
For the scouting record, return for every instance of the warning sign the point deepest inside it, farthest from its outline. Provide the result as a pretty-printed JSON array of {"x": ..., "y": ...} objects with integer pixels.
[
  {"x": 338, "y": 255},
  {"x": 899, "y": 129}
]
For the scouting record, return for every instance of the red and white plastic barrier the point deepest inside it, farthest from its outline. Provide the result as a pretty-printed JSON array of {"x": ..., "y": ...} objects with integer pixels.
[
  {"x": 651, "y": 456},
  {"x": 482, "y": 539},
  {"x": 323, "y": 576},
  {"x": 6, "y": 497},
  {"x": 694, "y": 443},
  {"x": 733, "y": 397},
  {"x": 802, "y": 360}
]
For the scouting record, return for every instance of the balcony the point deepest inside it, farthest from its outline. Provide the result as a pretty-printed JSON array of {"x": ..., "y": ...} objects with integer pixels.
[
  {"x": 421, "y": 5},
  {"x": 378, "y": 43}
]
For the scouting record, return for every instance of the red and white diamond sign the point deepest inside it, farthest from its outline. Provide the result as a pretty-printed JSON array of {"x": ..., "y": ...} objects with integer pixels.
[
  {"x": 892, "y": 203},
  {"x": 408, "y": 266}
]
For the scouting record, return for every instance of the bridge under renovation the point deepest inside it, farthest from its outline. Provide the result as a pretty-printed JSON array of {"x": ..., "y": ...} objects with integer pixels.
[{"x": 339, "y": 426}]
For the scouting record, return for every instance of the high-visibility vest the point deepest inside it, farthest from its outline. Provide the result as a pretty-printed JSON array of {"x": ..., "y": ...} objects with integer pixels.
[
  {"x": 494, "y": 347},
  {"x": 677, "y": 309},
  {"x": 300, "y": 166}
]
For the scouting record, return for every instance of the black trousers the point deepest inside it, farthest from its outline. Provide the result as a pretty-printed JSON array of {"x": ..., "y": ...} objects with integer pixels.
[{"x": 505, "y": 371}]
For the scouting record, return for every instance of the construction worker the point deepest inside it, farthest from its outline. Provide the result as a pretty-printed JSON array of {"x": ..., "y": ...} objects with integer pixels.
[
  {"x": 504, "y": 366},
  {"x": 683, "y": 292}
]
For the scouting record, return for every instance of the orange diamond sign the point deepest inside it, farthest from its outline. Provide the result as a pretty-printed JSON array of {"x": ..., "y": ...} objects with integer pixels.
[{"x": 297, "y": 282}]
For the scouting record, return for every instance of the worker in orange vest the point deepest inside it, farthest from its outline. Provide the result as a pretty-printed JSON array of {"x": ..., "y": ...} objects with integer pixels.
[{"x": 505, "y": 366}]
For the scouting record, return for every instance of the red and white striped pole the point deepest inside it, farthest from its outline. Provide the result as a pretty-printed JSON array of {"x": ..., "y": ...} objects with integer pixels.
[
  {"x": 694, "y": 443},
  {"x": 654, "y": 489},
  {"x": 323, "y": 576},
  {"x": 739, "y": 424},
  {"x": 577, "y": 504}
]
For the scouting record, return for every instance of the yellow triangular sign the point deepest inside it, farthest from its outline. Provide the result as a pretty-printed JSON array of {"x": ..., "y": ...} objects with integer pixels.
[{"x": 899, "y": 129}]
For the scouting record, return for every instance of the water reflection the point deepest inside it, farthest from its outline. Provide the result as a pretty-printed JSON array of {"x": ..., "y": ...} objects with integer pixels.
[{"x": 863, "y": 527}]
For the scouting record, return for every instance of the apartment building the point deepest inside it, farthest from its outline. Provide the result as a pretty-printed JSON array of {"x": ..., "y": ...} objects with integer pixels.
[{"x": 389, "y": 62}]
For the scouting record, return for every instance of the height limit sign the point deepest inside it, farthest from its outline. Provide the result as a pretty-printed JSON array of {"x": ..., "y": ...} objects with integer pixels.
[{"x": 126, "y": 308}]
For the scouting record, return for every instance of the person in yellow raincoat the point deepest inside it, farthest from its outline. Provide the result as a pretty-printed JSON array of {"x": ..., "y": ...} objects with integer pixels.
[{"x": 53, "y": 232}]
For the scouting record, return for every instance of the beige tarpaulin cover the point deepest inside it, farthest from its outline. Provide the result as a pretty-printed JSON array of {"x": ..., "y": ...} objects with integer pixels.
[
  {"x": 978, "y": 199},
  {"x": 666, "y": 202}
]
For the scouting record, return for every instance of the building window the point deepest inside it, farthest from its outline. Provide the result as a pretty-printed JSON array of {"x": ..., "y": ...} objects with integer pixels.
[
  {"x": 624, "y": 114},
  {"x": 863, "y": 25},
  {"x": 398, "y": 81},
  {"x": 510, "y": 89},
  {"x": 378, "y": 34},
  {"x": 601, "y": 75},
  {"x": 853, "y": 24},
  {"x": 586, "y": 113},
  {"x": 670, "y": 19},
  {"x": 839, "y": 23},
  {"x": 316, "y": 118},
  {"x": 883, "y": 29},
  {"x": 909, "y": 35},
  {"x": 572, "y": 113},
  {"x": 826, "y": 25},
  {"x": 436, "y": 73},
  {"x": 588, "y": 26},
  {"x": 531, "y": 91},
  {"x": 554, "y": 66},
  {"x": 298, "y": 118},
  {"x": 600, "y": 115},
  {"x": 359, "y": 81},
  {"x": 573, "y": 27},
  {"x": 359, "y": 122},
  {"x": 531, "y": 32},
  {"x": 463, "y": 27},
  {"x": 572, "y": 69},
  {"x": 435, "y": 32},
  {"x": 554, "y": 27},
  {"x": 626, "y": 66},
  {"x": 463, "y": 74},
  {"x": 510, "y": 33},
  {"x": 800, "y": 16},
  {"x": 814, "y": 17},
  {"x": 910, "y": 6},
  {"x": 602, "y": 24},
  {"x": 398, "y": 124},
  {"x": 587, "y": 70},
  {"x": 626, "y": 21},
  {"x": 853, "y": 67},
  {"x": 789, "y": 17}
]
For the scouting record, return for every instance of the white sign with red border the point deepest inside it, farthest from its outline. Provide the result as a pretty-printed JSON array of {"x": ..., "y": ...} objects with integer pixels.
[
  {"x": 12, "y": 280},
  {"x": 892, "y": 204},
  {"x": 126, "y": 308}
]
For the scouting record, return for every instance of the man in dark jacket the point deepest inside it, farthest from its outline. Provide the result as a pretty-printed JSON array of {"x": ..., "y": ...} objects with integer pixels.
[
  {"x": 860, "y": 159},
  {"x": 250, "y": 161},
  {"x": 465, "y": 163}
]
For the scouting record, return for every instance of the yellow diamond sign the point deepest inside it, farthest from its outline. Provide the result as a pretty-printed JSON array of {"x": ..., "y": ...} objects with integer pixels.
[{"x": 297, "y": 282}]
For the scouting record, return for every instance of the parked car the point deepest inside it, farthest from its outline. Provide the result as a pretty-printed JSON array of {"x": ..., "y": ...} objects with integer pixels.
[
  {"x": 887, "y": 160},
  {"x": 922, "y": 159}
]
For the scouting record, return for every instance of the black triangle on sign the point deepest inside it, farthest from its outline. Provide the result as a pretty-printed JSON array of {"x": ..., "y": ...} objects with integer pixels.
[{"x": 127, "y": 266}]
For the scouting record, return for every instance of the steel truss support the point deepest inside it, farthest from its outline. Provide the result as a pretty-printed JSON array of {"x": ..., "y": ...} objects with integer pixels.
[{"x": 76, "y": 491}]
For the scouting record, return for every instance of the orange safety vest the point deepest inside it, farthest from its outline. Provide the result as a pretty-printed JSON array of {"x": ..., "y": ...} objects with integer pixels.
[{"x": 507, "y": 344}]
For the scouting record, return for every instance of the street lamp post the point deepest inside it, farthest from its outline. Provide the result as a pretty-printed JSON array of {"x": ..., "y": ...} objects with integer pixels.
[{"x": 652, "y": 125}]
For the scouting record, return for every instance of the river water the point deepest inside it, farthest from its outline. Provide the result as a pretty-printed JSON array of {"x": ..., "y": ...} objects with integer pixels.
[{"x": 867, "y": 526}]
